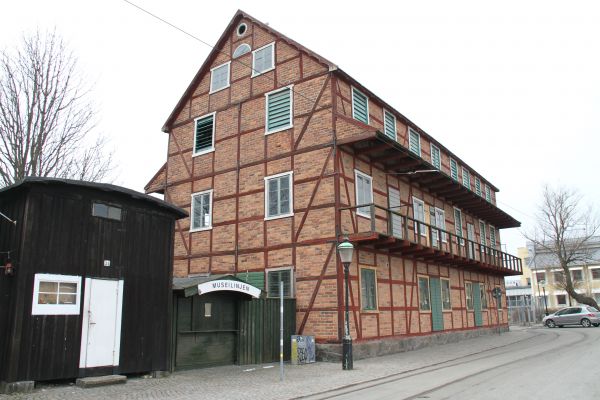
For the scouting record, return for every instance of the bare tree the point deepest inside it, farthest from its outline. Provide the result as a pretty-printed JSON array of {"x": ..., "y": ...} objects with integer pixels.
[
  {"x": 565, "y": 229},
  {"x": 46, "y": 120}
]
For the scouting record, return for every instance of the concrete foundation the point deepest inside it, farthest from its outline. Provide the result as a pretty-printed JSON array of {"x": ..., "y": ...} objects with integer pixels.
[
  {"x": 17, "y": 387},
  {"x": 96, "y": 381},
  {"x": 332, "y": 352}
]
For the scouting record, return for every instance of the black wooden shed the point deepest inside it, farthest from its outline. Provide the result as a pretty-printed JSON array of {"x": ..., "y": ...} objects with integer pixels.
[{"x": 89, "y": 291}]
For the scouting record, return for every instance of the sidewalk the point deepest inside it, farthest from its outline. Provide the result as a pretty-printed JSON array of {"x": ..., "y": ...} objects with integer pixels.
[{"x": 262, "y": 382}]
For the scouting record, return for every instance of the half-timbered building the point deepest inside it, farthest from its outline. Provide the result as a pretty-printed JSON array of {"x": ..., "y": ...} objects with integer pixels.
[{"x": 277, "y": 154}]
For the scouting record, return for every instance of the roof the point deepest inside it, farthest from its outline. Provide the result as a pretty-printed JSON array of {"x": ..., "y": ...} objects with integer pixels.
[
  {"x": 205, "y": 68},
  {"x": 105, "y": 187}
]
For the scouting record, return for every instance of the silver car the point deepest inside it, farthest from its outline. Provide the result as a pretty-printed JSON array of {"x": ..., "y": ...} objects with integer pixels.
[{"x": 583, "y": 315}]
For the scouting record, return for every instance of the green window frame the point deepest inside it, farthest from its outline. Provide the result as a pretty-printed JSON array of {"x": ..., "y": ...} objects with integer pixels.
[
  {"x": 488, "y": 194},
  {"x": 424, "y": 294},
  {"x": 414, "y": 142},
  {"x": 360, "y": 106},
  {"x": 204, "y": 134},
  {"x": 482, "y": 238},
  {"x": 436, "y": 158},
  {"x": 279, "y": 106},
  {"x": 389, "y": 124},
  {"x": 492, "y": 237},
  {"x": 469, "y": 295},
  {"x": 279, "y": 195},
  {"x": 453, "y": 169},
  {"x": 368, "y": 289},
  {"x": 276, "y": 275},
  {"x": 458, "y": 229},
  {"x": 446, "y": 295},
  {"x": 466, "y": 178},
  {"x": 201, "y": 215}
]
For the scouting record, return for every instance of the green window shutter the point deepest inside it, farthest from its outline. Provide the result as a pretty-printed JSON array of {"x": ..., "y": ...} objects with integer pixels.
[
  {"x": 414, "y": 142},
  {"x": 435, "y": 157},
  {"x": 493, "y": 237},
  {"x": 453, "y": 170},
  {"x": 279, "y": 110},
  {"x": 488, "y": 194},
  {"x": 273, "y": 279},
  {"x": 389, "y": 124},
  {"x": 466, "y": 177},
  {"x": 256, "y": 279},
  {"x": 368, "y": 290},
  {"x": 203, "y": 135},
  {"x": 478, "y": 186},
  {"x": 360, "y": 106},
  {"x": 458, "y": 223}
]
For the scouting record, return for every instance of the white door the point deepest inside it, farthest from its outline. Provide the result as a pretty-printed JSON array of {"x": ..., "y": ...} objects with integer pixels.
[
  {"x": 471, "y": 237},
  {"x": 394, "y": 199},
  {"x": 101, "y": 328}
]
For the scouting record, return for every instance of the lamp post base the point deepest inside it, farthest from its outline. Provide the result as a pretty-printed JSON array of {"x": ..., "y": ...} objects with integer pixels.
[{"x": 347, "y": 363}]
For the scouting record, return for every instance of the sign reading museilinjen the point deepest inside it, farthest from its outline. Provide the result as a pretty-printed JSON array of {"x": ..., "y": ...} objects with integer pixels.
[{"x": 225, "y": 285}]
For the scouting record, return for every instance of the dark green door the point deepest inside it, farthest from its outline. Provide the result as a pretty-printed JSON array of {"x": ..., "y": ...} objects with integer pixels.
[
  {"x": 437, "y": 317},
  {"x": 206, "y": 330},
  {"x": 477, "y": 304}
]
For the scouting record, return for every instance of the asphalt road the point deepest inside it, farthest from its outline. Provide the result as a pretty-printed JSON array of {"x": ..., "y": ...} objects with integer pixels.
[{"x": 560, "y": 363}]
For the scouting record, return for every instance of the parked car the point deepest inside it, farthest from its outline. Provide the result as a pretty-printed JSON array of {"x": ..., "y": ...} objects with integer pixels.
[{"x": 585, "y": 316}]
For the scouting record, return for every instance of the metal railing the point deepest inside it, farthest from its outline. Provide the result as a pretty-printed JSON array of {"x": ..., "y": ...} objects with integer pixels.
[{"x": 391, "y": 223}]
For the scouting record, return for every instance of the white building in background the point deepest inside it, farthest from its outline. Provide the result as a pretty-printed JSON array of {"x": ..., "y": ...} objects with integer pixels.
[{"x": 544, "y": 266}]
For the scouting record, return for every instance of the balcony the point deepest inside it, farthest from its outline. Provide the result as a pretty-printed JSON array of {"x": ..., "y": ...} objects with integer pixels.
[{"x": 387, "y": 229}]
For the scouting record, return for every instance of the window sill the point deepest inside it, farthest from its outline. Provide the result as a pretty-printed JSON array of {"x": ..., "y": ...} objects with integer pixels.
[
  {"x": 367, "y": 216},
  {"x": 279, "y": 217},
  {"x": 369, "y": 311},
  {"x": 283, "y": 128},
  {"x": 218, "y": 90},
  {"x": 425, "y": 311},
  {"x": 204, "y": 151},
  {"x": 207, "y": 228},
  {"x": 255, "y": 74}
]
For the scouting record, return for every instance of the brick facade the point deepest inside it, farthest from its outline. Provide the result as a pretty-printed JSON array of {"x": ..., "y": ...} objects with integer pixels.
[{"x": 243, "y": 240}]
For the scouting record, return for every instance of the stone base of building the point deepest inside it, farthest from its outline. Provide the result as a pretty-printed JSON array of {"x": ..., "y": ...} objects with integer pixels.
[
  {"x": 16, "y": 387},
  {"x": 332, "y": 352}
]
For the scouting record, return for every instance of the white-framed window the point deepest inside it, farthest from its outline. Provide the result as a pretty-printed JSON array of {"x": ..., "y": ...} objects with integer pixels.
[
  {"x": 466, "y": 178},
  {"x": 368, "y": 289},
  {"x": 482, "y": 235},
  {"x": 276, "y": 275},
  {"x": 279, "y": 110},
  {"x": 56, "y": 294},
  {"x": 204, "y": 134},
  {"x": 364, "y": 192},
  {"x": 488, "y": 193},
  {"x": 279, "y": 195},
  {"x": 458, "y": 227},
  {"x": 424, "y": 294},
  {"x": 438, "y": 219},
  {"x": 360, "y": 106},
  {"x": 436, "y": 158},
  {"x": 483, "y": 294},
  {"x": 414, "y": 142},
  {"x": 201, "y": 218},
  {"x": 478, "y": 186},
  {"x": 419, "y": 215},
  {"x": 241, "y": 50},
  {"x": 453, "y": 169},
  {"x": 219, "y": 77},
  {"x": 263, "y": 59},
  {"x": 492, "y": 237},
  {"x": 389, "y": 124},
  {"x": 446, "y": 296},
  {"x": 595, "y": 273},
  {"x": 469, "y": 295},
  {"x": 577, "y": 274}
]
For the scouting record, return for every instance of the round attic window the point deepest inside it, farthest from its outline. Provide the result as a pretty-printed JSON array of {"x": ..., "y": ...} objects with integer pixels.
[{"x": 242, "y": 29}]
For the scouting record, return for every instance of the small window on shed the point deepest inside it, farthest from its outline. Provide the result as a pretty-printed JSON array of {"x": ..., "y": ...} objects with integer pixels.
[
  {"x": 105, "y": 211},
  {"x": 241, "y": 50},
  {"x": 56, "y": 294}
]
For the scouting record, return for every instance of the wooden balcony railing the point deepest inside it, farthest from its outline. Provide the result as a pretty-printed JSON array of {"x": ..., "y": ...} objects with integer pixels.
[{"x": 404, "y": 234}]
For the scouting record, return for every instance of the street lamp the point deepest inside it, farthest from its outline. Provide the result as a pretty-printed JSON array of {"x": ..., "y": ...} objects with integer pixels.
[
  {"x": 543, "y": 285},
  {"x": 345, "y": 249}
]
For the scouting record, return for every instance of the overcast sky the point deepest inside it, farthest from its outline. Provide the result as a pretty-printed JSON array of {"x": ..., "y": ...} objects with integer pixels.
[{"x": 513, "y": 88}]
